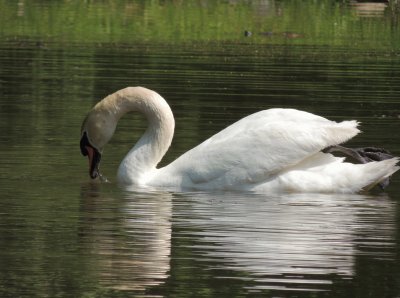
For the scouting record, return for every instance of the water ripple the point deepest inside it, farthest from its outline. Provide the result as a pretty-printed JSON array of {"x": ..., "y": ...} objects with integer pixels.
[{"x": 291, "y": 241}]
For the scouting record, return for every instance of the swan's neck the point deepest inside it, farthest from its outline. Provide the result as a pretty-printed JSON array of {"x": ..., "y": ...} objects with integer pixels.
[{"x": 140, "y": 163}]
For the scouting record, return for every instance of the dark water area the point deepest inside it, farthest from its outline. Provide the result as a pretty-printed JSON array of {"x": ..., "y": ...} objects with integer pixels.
[{"x": 63, "y": 235}]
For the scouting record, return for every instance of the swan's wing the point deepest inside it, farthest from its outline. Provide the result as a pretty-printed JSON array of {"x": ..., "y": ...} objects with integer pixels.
[{"x": 258, "y": 147}]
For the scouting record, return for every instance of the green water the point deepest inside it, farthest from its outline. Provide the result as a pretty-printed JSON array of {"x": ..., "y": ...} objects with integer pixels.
[{"x": 62, "y": 235}]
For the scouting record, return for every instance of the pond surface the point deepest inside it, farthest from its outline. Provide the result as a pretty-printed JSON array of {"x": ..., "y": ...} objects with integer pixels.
[{"x": 62, "y": 235}]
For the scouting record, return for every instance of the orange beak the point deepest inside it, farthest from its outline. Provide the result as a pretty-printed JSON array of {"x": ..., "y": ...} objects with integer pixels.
[{"x": 93, "y": 154}]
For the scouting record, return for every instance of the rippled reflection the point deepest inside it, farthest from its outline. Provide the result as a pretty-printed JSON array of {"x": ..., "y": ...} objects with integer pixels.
[
  {"x": 131, "y": 238},
  {"x": 295, "y": 241}
]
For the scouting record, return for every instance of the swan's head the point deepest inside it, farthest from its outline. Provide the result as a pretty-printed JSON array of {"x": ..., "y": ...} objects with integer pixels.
[{"x": 97, "y": 129}]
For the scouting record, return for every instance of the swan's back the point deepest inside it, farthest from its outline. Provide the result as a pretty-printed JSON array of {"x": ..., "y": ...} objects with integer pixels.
[{"x": 259, "y": 150}]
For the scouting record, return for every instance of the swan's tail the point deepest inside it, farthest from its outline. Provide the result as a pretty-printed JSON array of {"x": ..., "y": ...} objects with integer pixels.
[
  {"x": 352, "y": 178},
  {"x": 376, "y": 172},
  {"x": 336, "y": 177}
]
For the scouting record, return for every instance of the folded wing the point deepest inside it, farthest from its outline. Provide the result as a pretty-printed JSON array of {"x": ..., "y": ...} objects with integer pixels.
[{"x": 257, "y": 148}]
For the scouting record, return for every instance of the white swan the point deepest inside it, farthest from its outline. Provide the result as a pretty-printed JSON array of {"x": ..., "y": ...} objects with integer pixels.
[{"x": 272, "y": 150}]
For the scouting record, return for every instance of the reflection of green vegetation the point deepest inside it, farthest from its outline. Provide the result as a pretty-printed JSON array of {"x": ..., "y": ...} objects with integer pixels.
[{"x": 314, "y": 22}]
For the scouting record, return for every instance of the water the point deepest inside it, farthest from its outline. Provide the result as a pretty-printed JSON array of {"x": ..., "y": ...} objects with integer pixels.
[
  {"x": 294, "y": 244},
  {"x": 62, "y": 235}
]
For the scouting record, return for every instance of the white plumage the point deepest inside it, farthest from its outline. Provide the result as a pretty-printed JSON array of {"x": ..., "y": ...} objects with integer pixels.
[{"x": 272, "y": 150}]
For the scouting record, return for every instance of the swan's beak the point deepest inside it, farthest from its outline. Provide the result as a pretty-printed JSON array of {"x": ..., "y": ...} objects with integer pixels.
[{"x": 93, "y": 154}]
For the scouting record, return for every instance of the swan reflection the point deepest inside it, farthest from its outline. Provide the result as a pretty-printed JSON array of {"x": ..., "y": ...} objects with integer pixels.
[
  {"x": 298, "y": 241},
  {"x": 303, "y": 238},
  {"x": 131, "y": 237}
]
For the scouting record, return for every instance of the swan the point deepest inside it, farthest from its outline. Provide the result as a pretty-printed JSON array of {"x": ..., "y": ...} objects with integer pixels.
[{"x": 274, "y": 150}]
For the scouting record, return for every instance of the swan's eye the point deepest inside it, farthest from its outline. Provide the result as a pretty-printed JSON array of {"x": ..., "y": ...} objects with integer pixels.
[{"x": 84, "y": 142}]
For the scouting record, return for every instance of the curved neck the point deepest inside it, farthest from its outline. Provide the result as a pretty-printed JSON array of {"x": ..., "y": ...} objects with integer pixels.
[{"x": 141, "y": 161}]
